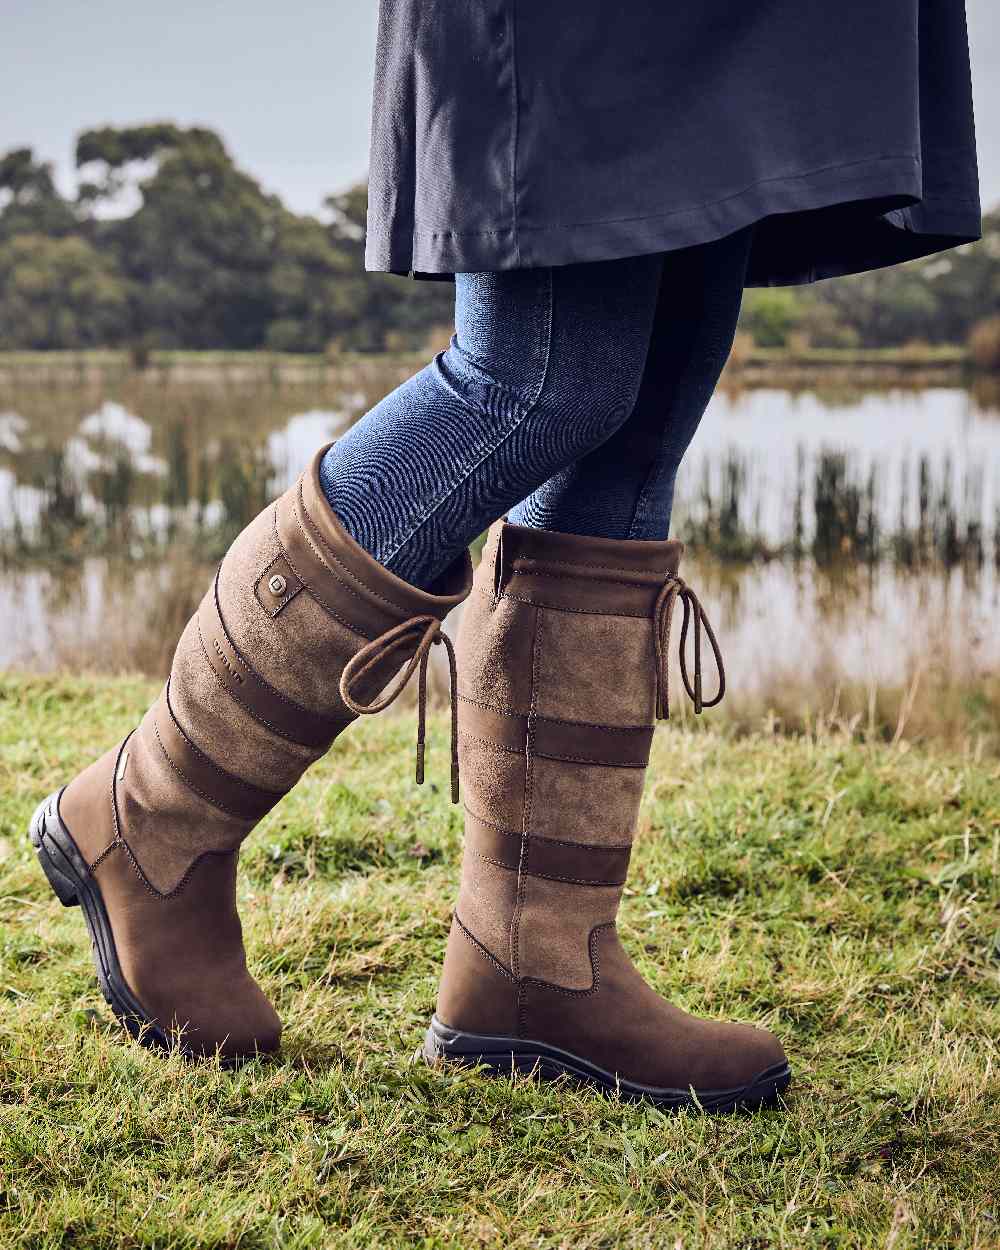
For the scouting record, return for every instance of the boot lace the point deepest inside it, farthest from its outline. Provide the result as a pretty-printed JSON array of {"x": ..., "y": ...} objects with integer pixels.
[
  {"x": 428, "y": 631},
  {"x": 675, "y": 588}
]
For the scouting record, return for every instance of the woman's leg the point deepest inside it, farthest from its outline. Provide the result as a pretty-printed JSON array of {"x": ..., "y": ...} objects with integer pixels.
[
  {"x": 545, "y": 366},
  {"x": 561, "y": 673},
  {"x": 626, "y": 489}
]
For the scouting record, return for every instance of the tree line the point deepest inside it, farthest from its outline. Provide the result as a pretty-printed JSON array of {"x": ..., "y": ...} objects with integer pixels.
[{"x": 168, "y": 244}]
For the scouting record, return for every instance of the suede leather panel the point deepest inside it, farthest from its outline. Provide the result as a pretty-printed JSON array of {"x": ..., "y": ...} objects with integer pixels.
[
  {"x": 494, "y": 649},
  {"x": 599, "y": 558},
  {"x": 163, "y": 820},
  {"x": 595, "y": 669},
  {"x": 85, "y": 806},
  {"x": 492, "y": 844},
  {"x": 223, "y": 729},
  {"x": 571, "y": 862},
  {"x": 547, "y": 857},
  {"x": 557, "y": 739},
  {"x": 476, "y": 995},
  {"x": 583, "y": 596},
  {"x": 183, "y": 957},
  {"x": 624, "y": 1026},
  {"x": 493, "y": 782},
  {"x": 486, "y": 899},
  {"x": 247, "y": 686},
  {"x": 553, "y": 929},
  {"x": 585, "y": 802},
  {"x": 590, "y": 744},
  {"x": 303, "y": 650},
  {"x": 200, "y": 773}
]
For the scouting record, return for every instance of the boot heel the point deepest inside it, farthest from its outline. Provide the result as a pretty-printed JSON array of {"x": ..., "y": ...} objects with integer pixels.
[{"x": 55, "y": 859}]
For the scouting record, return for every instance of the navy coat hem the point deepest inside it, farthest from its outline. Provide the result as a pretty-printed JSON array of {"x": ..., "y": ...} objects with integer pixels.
[{"x": 819, "y": 224}]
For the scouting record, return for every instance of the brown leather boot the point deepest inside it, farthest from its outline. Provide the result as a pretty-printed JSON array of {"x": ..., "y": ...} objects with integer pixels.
[
  {"x": 300, "y": 627},
  {"x": 562, "y": 668}
]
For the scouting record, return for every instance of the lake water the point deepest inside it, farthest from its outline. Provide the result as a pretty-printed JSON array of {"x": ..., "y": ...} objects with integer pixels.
[{"x": 116, "y": 501}]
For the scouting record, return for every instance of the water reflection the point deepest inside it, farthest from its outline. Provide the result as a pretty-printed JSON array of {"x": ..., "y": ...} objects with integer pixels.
[{"x": 873, "y": 521}]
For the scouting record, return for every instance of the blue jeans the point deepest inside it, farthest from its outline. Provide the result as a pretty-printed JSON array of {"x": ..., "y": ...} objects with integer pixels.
[{"x": 566, "y": 399}]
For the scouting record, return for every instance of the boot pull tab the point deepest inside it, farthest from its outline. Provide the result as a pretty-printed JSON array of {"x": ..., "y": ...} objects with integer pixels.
[{"x": 675, "y": 588}]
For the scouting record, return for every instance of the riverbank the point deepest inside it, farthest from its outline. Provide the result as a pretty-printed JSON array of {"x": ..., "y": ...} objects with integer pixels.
[
  {"x": 842, "y": 893},
  {"x": 913, "y": 366}
]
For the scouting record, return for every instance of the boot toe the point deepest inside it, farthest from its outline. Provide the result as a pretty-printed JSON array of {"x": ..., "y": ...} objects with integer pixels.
[
  {"x": 263, "y": 1039},
  {"x": 730, "y": 1056},
  {"x": 232, "y": 1018},
  {"x": 243, "y": 1026},
  {"x": 759, "y": 1050}
]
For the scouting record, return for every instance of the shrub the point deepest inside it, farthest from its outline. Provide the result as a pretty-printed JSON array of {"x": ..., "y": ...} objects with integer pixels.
[{"x": 984, "y": 344}]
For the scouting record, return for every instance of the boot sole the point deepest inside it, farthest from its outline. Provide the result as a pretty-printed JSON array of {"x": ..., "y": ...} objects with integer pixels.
[
  {"x": 74, "y": 886},
  {"x": 503, "y": 1055}
]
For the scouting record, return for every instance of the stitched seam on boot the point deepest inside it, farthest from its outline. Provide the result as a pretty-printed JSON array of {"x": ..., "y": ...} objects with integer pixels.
[
  {"x": 311, "y": 589},
  {"x": 582, "y": 564},
  {"x": 165, "y": 896},
  {"x": 576, "y": 759},
  {"x": 248, "y": 710},
  {"x": 115, "y": 836},
  {"x": 216, "y": 803},
  {"x": 529, "y": 741},
  {"x": 568, "y": 577},
  {"x": 112, "y": 845},
  {"x": 541, "y": 837},
  {"x": 552, "y": 720},
  {"x": 595, "y": 967},
  {"x": 493, "y": 746},
  {"x": 406, "y": 612},
  {"x": 254, "y": 791},
  {"x": 115, "y": 819},
  {"x": 556, "y": 607},
  {"x": 544, "y": 876},
  {"x": 484, "y": 952},
  {"x": 548, "y": 755}
]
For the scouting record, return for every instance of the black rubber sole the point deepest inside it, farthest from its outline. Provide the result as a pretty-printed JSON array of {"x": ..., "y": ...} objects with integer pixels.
[
  {"x": 504, "y": 1055},
  {"x": 73, "y": 885}
]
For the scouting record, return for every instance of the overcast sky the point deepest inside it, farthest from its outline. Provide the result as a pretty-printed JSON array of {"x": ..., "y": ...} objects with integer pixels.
[{"x": 287, "y": 86}]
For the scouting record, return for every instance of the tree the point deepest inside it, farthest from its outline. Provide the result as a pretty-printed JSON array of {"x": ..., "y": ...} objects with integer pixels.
[
  {"x": 167, "y": 243},
  {"x": 59, "y": 293},
  {"x": 200, "y": 246},
  {"x": 29, "y": 200},
  {"x": 769, "y": 313}
]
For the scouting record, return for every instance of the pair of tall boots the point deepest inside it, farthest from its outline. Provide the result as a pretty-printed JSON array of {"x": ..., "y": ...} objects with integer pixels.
[{"x": 561, "y": 672}]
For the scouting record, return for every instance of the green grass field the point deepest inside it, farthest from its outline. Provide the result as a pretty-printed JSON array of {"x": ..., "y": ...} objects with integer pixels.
[{"x": 846, "y": 895}]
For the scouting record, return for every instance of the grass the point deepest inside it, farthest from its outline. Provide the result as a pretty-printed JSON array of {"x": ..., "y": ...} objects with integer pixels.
[{"x": 844, "y": 894}]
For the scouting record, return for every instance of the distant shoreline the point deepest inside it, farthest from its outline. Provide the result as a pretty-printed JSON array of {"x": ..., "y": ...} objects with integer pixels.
[{"x": 906, "y": 366}]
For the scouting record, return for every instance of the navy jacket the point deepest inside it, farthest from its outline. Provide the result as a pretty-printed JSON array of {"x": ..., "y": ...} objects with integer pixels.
[{"x": 517, "y": 133}]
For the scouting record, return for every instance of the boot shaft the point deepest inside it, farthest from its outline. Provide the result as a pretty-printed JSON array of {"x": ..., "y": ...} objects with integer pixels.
[
  {"x": 254, "y": 694},
  {"x": 556, "y": 707}
]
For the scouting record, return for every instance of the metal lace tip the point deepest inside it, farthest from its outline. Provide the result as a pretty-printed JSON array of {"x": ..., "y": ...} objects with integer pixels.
[
  {"x": 420, "y": 764},
  {"x": 454, "y": 781}
]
